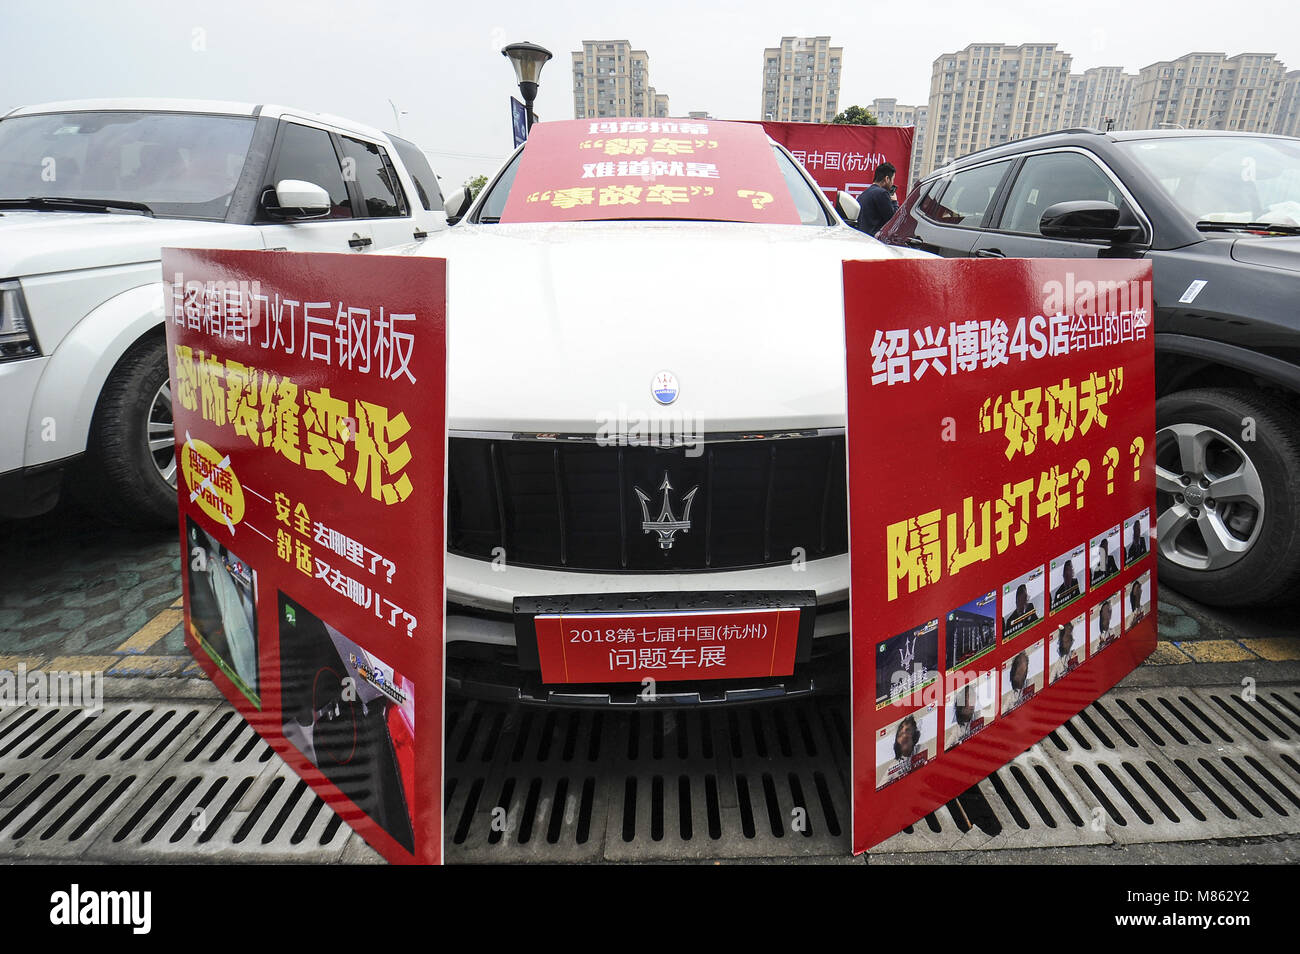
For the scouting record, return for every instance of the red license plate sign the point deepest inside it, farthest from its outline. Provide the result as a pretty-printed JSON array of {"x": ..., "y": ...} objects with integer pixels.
[{"x": 669, "y": 646}]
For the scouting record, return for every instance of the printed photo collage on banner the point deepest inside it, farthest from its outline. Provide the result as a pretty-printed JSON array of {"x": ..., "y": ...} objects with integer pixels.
[{"x": 976, "y": 694}]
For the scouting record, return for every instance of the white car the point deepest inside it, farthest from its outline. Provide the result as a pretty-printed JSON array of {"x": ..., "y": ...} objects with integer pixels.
[
  {"x": 645, "y": 413},
  {"x": 90, "y": 193}
]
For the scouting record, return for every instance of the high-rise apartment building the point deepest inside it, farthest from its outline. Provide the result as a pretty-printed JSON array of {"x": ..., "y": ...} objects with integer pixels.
[
  {"x": 801, "y": 80},
  {"x": 1099, "y": 98},
  {"x": 1288, "y": 106},
  {"x": 990, "y": 93},
  {"x": 918, "y": 141},
  {"x": 889, "y": 113},
  {"x": 612, "y": 79},
  {"x": 1210, "y": 91}
]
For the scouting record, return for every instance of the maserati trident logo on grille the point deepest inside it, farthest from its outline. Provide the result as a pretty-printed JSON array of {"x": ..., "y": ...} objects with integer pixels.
[
  {"x": 664, "y": 387},
  {"x": 665, "y": 524}
]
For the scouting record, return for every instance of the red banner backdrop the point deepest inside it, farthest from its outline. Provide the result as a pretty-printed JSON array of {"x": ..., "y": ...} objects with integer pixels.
[
  {"x": 845, "y": 157},
  {"x": 308, "y": 394},
  {"x": 1001, "y": 430}
]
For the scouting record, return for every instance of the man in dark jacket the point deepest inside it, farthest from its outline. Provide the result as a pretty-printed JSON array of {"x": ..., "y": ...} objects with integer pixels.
[{"x": 877, "y": 203}]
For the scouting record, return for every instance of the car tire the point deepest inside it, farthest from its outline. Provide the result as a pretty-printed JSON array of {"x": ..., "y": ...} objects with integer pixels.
[
  {"x": 121, "y": 478},
  {"x": 1243, "y": 546}
]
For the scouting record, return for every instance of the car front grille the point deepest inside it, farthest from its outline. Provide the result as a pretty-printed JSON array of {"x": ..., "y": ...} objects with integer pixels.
[{"x": 573, "y": 504}]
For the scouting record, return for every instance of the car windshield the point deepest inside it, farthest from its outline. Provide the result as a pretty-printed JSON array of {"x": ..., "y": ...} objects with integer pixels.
[
  {"x": 811, "y": 211},
  {"x": 1226, "y": 179},
  {"x": 178, "y": 164},
  {"x": 648, "y": 169}
]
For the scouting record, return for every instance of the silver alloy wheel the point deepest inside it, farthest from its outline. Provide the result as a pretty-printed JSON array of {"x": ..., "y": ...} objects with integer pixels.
[
  {"x": 162, "y": 443},
  {"x": 1210, "y": 497}
]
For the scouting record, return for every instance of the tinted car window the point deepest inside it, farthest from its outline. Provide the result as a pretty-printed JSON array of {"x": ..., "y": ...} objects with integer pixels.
[
  {"x": 426, "y": 183},
  {"x": 1226, "y": 178},
  {"x": 966, "y": 199},
  {"x": 307, "y": 154},
  {"x": 805, "y": 200},
  {"x": 1055, "y": 177},
  {"x": 496, "y": 200},
  {"x": 178, "y": 164},
  {"x": 381, "y": 193}
]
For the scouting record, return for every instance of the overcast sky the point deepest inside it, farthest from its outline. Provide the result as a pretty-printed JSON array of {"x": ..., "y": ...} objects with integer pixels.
[{"x": 440, "y": 62}]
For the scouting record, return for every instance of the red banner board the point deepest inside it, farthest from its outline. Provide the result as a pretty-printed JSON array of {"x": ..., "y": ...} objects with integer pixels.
[
  {"x": 1001, "y": 429},
  {"x": 308, "y": 392},
  {"x": 700, "y": 644},
  {"x": 579, "y": 170},
  {"x": 843, "y": 157}
]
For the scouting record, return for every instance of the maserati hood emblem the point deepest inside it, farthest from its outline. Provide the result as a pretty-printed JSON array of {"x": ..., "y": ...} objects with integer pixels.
[
  {"x": 665, "y": 524},
  {"x": 664, "y": 387}
]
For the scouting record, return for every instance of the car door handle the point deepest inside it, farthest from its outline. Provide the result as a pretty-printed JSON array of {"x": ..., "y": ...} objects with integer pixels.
[
  {"x": 989, "y": 253},
  {"x": 359, "y": 241},
  {"x": 913, "y": 242},
  {"x": 420, "y": 233}
]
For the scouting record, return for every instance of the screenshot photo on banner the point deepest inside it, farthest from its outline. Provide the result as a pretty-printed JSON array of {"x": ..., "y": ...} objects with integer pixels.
[
  {"x": 223, "y": 594},
  {"x": 352, "y": 716}
]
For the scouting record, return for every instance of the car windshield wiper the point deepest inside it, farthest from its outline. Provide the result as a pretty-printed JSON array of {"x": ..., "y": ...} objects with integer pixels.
[
  {"x": 58, "y": 203},
  {"x": 1206, "y": 226}
]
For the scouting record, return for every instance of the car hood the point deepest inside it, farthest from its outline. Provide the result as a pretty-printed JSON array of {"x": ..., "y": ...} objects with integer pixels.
[
  {"x": 1276, "y": 252},
  {"x": 561, "y": 328},
  {"x": 38, "y": 243}
]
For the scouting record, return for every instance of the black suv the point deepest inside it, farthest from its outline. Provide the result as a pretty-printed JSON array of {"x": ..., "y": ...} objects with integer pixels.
[{"x": 1218, "y": 214}]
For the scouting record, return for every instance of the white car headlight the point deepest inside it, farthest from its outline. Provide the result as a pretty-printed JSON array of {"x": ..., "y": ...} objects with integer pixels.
[{"x": 16, "y": 338}]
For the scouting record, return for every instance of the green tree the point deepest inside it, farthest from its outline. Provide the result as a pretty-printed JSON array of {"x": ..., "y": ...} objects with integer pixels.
[
  {"x": 856, "y": 116},
  {"x": 475, "y": 185}
]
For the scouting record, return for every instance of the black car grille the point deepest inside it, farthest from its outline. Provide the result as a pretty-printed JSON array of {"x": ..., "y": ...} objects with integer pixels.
[{"x": 573, "y": 505}]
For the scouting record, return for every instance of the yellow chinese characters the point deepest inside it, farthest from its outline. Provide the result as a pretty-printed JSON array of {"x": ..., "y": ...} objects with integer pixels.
[
  {"x": 920, "y": 548},
  {"x": 362, "y": 443},
  {"x": 1055, "y": 413}
]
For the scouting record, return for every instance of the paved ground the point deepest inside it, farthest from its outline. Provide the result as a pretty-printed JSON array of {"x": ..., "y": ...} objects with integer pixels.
[{"x": 78, "y": 595}]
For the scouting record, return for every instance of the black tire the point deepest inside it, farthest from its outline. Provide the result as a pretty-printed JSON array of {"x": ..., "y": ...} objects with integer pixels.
[
  {"x": 119, "y": 479},
  {"x": 1267, "y": 570}
]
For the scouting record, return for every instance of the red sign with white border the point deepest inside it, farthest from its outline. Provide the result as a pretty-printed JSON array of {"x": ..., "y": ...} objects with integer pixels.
[
  {"x": 701, "y": 644},
  {"x": 1001, "y": 428}
]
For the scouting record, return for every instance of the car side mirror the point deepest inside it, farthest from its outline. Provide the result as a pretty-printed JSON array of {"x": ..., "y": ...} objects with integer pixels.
[
  {"x": 849, "y": 207},
  {"x": 457, "y": 204},
  {"x": 1087, "y": 219},
  {"x": 296, "y": 199}
]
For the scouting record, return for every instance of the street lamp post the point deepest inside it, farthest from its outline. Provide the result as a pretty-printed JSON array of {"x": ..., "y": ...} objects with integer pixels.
[{"x": 528, "y": 60}]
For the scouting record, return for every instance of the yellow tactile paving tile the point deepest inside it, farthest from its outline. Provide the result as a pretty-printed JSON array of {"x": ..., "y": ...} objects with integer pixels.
[
  {"x": 148, "y": 666},
  {"x": 1216, "y": 650},
  {"x": 1276, "y": 648},
  {"x": 80, "y": 663},
  {"x": 1167, "y": 654},
  {"x": 148, "y": 635}
]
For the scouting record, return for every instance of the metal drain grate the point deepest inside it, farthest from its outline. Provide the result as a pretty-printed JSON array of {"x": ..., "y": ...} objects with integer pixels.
[
  {"x": 1027, "y": 803},
  {"x": 154, "y": 782},
  {"x": 185, "y": 781},
  {"x": 1180, "y": 764},
  {"x": 530, "y": 785}
]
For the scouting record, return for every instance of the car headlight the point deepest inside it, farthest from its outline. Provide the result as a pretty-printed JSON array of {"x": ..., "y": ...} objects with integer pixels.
[{"x": 16, "y": 338}]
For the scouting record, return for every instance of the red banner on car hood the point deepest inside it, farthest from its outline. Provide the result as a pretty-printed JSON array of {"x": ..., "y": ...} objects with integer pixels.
[{"x": 579, "y": 170}]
